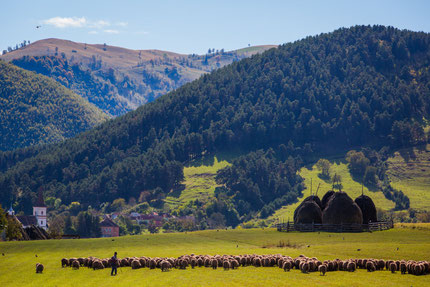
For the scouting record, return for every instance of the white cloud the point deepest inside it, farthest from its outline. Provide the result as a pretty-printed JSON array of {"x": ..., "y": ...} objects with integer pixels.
[
  {"x": 141, "y": 32},
  {"x": 64, "y": 22},
  {"x": 98, "y": 24},
  {"x": 95, "y": 27},
  {"x": 122, "y": 24},
  {"x": 109, "y": 31}
]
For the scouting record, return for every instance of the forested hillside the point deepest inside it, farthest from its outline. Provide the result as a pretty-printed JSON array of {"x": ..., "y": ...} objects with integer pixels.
[
  {"x": 116, "y": 79},
  {"x": 358, "y": 87},
  {"x": 35, "y": 109}
]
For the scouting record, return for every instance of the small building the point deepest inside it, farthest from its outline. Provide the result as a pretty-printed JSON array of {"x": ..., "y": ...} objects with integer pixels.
[
  {"x": 39, "y": 211},
  {"x": 109, "y": 228},
  {"x": 39, "y": 217}
]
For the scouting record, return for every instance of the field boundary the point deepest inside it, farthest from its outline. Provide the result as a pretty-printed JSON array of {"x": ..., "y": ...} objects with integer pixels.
[{"x": 313, "y": 227}]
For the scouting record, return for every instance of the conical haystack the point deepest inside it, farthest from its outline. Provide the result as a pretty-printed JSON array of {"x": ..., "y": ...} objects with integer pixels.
[
  {"x": 326, "y": 199},
  {"x": 308, "y": 212},
  {"x": 368, "y": 208},
  {"x": 312, "y": 198},
  {"x": 342, "y": 209}
]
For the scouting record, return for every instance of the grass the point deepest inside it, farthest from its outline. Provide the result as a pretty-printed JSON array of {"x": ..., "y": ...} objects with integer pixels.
[
  {"x": 350, "y": 186},
  {"x": 199, "y": 183},
  {"x": 17, "y": 267},
  {"x": 409, "y": 171}
]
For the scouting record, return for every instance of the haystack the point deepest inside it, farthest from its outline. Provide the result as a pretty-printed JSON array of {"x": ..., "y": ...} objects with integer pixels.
[
  {"x": 312, "y": 198},
  {"x": 308, "y": 212},
  {"x": 368, "y": 208},
  {"x": 342, "y": 209},
  {"x": 326, "y": 199}
]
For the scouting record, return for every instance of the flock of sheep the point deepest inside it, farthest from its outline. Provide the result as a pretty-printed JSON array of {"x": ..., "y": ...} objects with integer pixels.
[{"x": 302, "y": 263}]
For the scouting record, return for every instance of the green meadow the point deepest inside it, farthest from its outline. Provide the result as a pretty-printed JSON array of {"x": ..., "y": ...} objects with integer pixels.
[
  {"x": 409, "y": 171},
  {"x": 17, "y": 266}
]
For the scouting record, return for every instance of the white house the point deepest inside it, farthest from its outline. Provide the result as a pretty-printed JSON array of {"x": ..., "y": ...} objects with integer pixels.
[{"x": 39, "y": 216}]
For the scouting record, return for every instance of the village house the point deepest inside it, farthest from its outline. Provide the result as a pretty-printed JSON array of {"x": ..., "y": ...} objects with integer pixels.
[
  {"x": 109, "y": 228},
  {"x": 39, "y": 217},
  {"x": 154, "y": 217}
]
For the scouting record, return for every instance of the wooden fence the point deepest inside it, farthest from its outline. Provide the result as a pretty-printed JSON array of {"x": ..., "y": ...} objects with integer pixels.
[{"x": 312, "y": 227}]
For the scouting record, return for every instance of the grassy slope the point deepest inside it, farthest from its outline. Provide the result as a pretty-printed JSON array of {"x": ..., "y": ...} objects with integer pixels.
[
  {"x": 17, "y": 266},
  {"x": 199, "y": 183},
  {"x": 350, "y": 186},
  {"x": 409, "y": 171}
]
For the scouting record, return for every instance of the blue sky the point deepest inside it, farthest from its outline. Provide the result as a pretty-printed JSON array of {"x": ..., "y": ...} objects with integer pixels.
[{"x": 194, "y": 26}]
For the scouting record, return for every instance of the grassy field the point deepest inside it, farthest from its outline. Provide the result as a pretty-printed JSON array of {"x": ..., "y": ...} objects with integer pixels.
[
  {"x": 199, "y": 183},
  {"x": 17, "y": 266},
  {"x": 409, "y": 171},
  {"x": 353, "y": 188}
]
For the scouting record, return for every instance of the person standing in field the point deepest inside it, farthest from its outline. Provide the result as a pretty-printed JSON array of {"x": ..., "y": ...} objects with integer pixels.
[{"x": 114, "y": 260}]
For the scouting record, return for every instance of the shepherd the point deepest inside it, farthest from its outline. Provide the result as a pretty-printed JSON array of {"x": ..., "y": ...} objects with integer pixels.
[{"x": 114, "y": 264}]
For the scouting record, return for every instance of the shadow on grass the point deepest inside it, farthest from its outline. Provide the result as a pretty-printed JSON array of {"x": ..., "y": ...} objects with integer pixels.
[
  {"x": 408, "y": 154},
  {"x": 176, "y": 193},
  {"x": 209, "y": 159},
  {"x": 369, "y": 186},
  {"x": 326, "y": 179}
]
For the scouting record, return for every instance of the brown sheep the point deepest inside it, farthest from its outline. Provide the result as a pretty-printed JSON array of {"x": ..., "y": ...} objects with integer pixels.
[
  {"x": 39, "y": 268},
  {"x": 214, "y": 263},
  {"x": 142, "y": 262},
  {"x": 312, "y": 266},
  {"x": 152, "y": 264},
  {"x": 226, "y": 264},
  {"x": 351, "y": 267},
  {"x": 403, "y": 268},
  {"x": 234, "y": 264},
  {"x": 165, "y": 266},
  {"x": 81, "y": 261},
  {"x": 75, "y": 264},
  {"x": 381, "y": 264},
  {"x": 370, "y": 266},
  {"x": 330, "y": 266},
  {"x": 287, "y": 265},
  {"x": 322, "y": 269},
  {"x": 90, "y": 262},
  {"x": 184, "y": 264},
  {"x": 243, "y": 261},
  {"x": 124, "y": 262},
  {"x": 304, "y": 267},
  {"x": 393, "y": 267},
  {"x": 345, "y": 265},
  {"x": 97, "y": 264},
  {"x": 135, "y": 264},
  {"x": 71, "y": 261},
  {"x": 64, "y": 262}
]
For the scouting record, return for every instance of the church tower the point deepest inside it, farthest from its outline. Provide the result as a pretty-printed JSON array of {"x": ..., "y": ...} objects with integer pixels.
[{"x": 39, "y": 211}]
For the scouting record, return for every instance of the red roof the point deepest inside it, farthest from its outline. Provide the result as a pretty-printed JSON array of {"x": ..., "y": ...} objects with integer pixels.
[
  {"x": 27, "y": 220},
  {"x": 107, "y": 222}
]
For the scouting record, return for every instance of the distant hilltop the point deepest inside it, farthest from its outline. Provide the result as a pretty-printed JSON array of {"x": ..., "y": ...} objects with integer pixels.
[{"x": 117, "y": 79}]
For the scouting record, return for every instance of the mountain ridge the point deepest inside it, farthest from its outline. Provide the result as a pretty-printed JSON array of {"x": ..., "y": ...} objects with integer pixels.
[{"x": 118, "y": 79}]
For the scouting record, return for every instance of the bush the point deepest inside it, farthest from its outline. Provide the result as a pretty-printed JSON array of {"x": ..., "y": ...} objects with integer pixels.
[{"x": 324, "y": 166}]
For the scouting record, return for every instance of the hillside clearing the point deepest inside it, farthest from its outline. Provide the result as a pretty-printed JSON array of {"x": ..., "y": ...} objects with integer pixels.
[
  {"x": 350, "y": 186},
  {"x": 409, "y": 171},
  {"x": 199, "y": 183}
]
